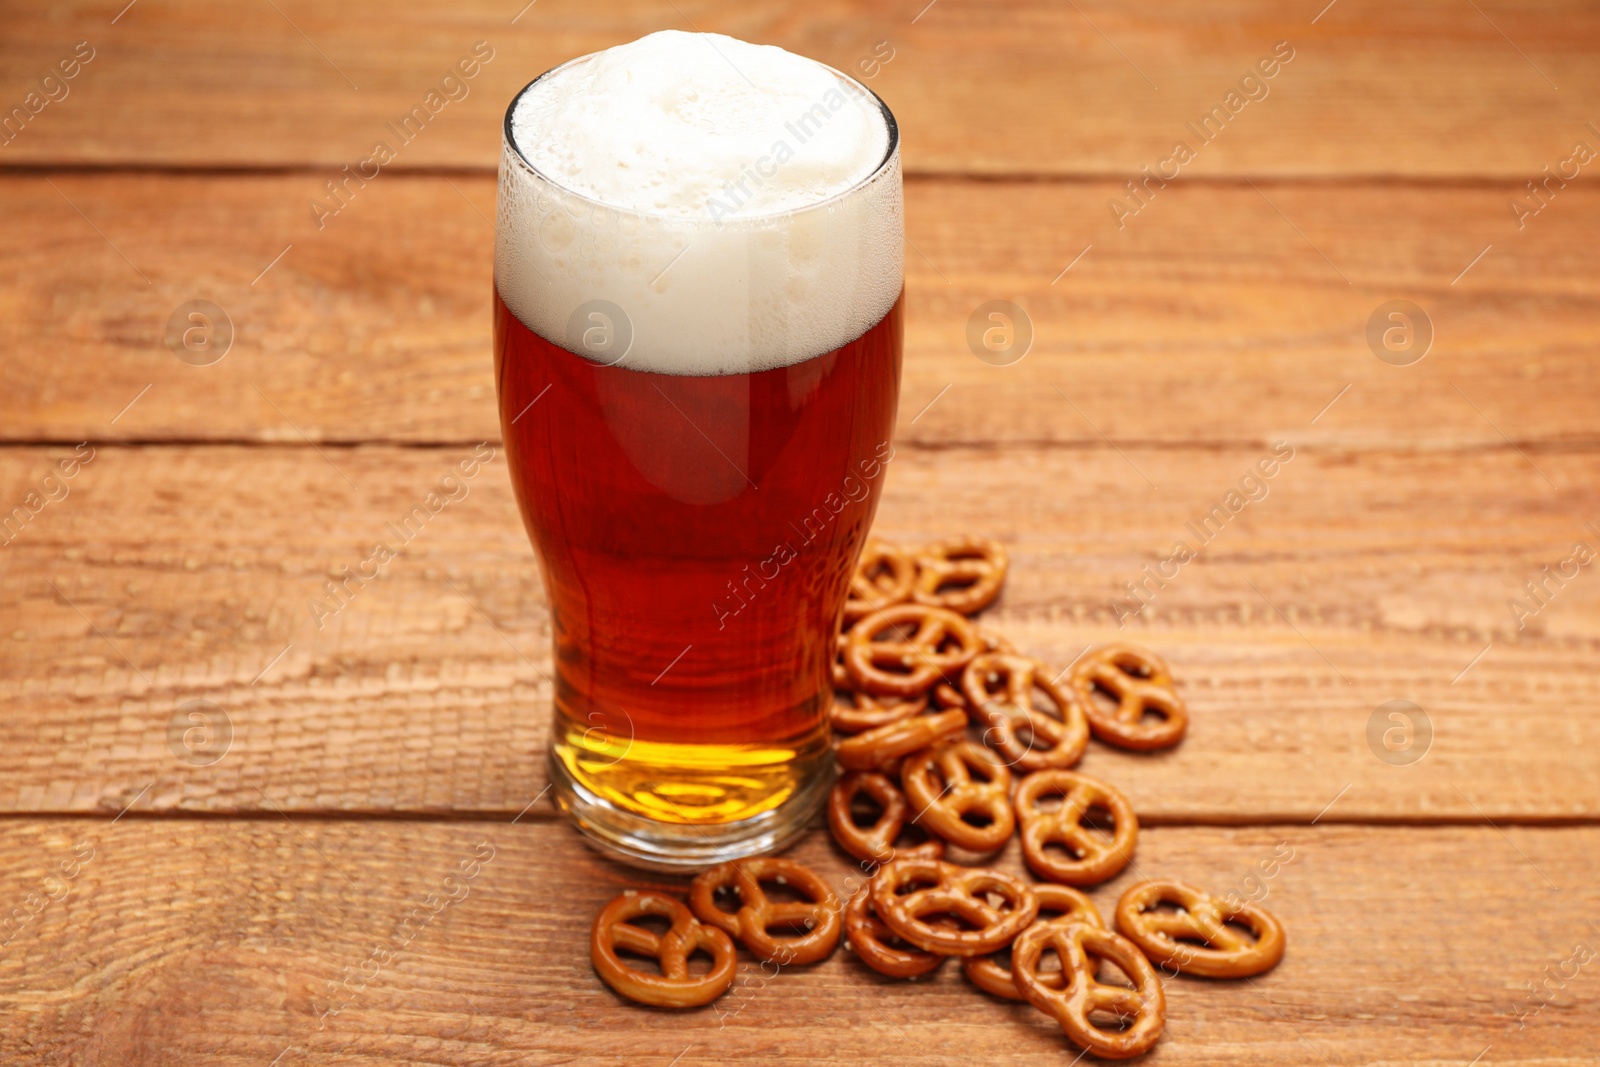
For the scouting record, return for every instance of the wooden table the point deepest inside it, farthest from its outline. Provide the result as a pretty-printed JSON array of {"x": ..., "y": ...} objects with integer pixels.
[{"x": 292, "y": 901}]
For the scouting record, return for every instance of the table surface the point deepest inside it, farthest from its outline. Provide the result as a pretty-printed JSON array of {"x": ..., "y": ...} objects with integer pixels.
[{"x": 293, "y": 902}]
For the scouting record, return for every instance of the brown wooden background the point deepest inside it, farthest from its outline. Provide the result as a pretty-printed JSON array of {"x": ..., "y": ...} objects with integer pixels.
[{"x": 214, "y": 912}]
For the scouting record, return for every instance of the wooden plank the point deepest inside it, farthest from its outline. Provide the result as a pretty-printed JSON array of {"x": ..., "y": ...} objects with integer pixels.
[
  {"x": 1209, "y": 317},
  {"x": 175, "y": 574},
  {"x": 1021, "y": 86},
  {"x": 229, "y": 943}
]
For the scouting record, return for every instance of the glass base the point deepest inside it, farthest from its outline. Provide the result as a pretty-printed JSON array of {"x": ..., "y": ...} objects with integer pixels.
[{"x": 663, "y": 846}]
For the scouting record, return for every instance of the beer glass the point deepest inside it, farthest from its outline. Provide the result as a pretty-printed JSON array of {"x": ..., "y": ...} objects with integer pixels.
[{"x": 697, "y": 414}]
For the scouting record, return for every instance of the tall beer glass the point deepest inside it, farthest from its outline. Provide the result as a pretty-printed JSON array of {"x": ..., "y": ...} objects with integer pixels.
[{"x": 698, "y": 408}]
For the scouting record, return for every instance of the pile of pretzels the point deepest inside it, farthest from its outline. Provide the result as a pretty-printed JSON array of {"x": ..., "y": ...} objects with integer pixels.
[{"x": 915, "y": 675}]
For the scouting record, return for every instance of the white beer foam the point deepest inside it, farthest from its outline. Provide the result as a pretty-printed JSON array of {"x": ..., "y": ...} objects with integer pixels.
[{"x": 732, "y": 200}]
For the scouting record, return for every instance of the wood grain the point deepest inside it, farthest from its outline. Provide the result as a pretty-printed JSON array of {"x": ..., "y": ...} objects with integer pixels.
[
  {"x": 1173, "y": 348},
  {"x": 227, "y": 942},
  {"x": 1020, "y": 86},
  {"x": 170, "y": 574},
  {"x": 1209, "y": 318}
]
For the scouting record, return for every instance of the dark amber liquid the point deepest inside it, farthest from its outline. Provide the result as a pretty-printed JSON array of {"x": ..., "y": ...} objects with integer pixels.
[{"x": 697, "y": 536}]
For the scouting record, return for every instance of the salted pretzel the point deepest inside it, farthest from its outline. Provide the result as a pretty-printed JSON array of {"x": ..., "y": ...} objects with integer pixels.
[
  {"x": 1081, "y": 949},
  {"x": 946, "y": 695},
  {"x": 674, "y": 987},
  {"x": 996, "y": 642},
  {"x": 1005, "y": 690},
  {"x": 753, "y": 923},
  {"x": 876, "y": 842},
  {"x": 1093, "y": 858},
  {"x": 951, "y": 781},
  {"x": 871, "y": 750},
  {"x": 1167, "y": 937},
  {"x": 942, "y": 643},
  {"x": 1141, "y": 684},
  {"x": 962, "y": 574},
  {"x": 884, "y": 576},
  {"x": 940, "y": 889},
  {"x": 877, "y": 945},
  {"x": 1064, "y": 905},
  {"x": 867, "y": 712}
]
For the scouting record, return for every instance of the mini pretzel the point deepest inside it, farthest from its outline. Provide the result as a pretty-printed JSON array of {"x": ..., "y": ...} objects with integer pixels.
[
  {"x": 1166, "y": 936},
  {"x": 883, "y": 577},
  {"x": 1094, "y": 859},
  {"x": 753, "y": 922},
  {"x": 875, "y": 842},
  {"x": 1002, "y": 688},
  {"x": 868, "y": 712},
  {"x": 1141, "y": 682},
  {"x": 1081, "y": 948},
  {"x": 946, "y": 695},
  {"x": 674, "y": 987},
  {"x": 959, "y": 892},
  {"x": 996, "y": 642},
  {"x": 974, "y": 567},
  {"x": 868, "y": 751},
  {"x": 1067, "y": 906},
  {"x": 871, "y": 938},
  {"x": 939, "y": 782},
  {"x": 942, "y": 645}
]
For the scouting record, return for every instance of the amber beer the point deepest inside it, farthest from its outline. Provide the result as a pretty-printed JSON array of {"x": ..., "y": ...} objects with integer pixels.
[
  {"x": 696, "y": 530},
  {"x": 695, "y": 570}
]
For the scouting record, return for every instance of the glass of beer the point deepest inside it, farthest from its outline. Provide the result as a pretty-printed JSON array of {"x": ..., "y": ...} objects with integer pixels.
[{"x": 699, "y": 275}]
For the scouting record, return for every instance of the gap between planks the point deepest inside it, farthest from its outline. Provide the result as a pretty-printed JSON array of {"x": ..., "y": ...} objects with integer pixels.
[
  {"x": 1079, "y": 177},
  {"x": 1574, "y": 447},
  {"x": 1190, "y": 820}
]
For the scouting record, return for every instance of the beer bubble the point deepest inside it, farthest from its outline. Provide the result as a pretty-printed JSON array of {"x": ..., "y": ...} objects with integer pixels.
[
  {"x": 999, "y": 332},
  {"x": 557, "y": 232},
  {"x": 199, "y": 332},
  {"x": 199, "y": 733},
  {"x": 1399, "y": 333}
]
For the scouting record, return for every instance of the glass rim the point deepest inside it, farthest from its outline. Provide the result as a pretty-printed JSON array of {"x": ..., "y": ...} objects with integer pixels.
[{"x": 890, "y": 154}]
